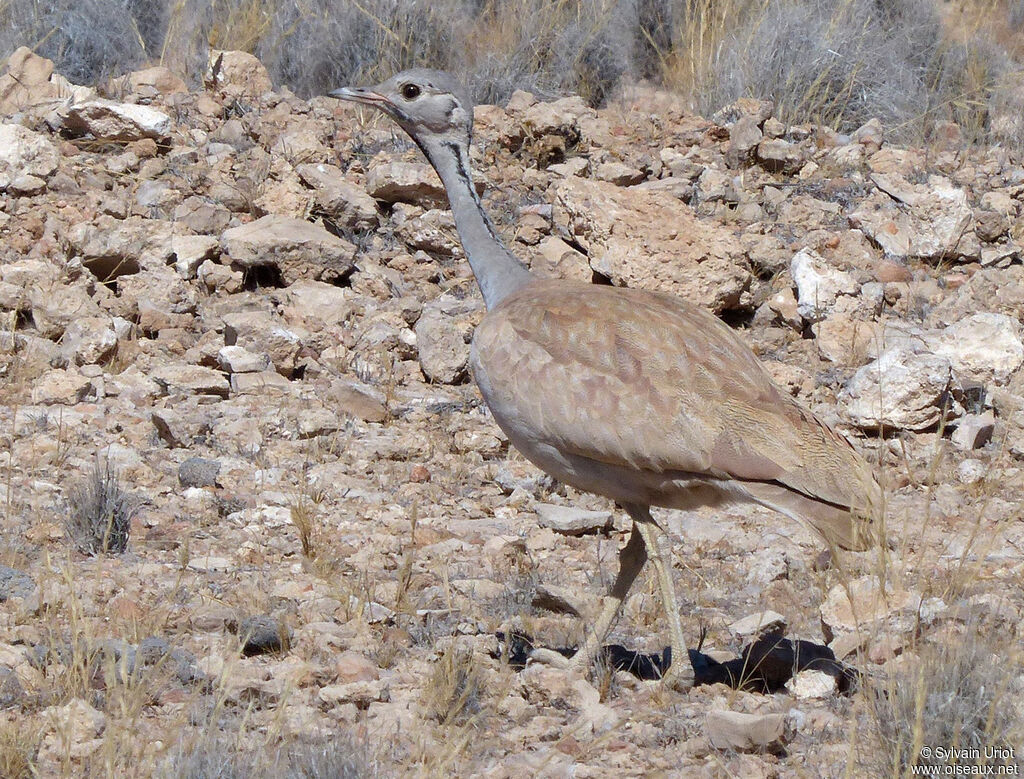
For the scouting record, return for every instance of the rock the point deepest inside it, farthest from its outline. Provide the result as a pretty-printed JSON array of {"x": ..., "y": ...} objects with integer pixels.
[
  {"x": 744, "y": 136},
  {"x": 315, "y": 304},
  {"x": 812, "y": 685},
  {"x": 443, "y": 351},
  {"x": 406, "y": 182},
  {"x": 618, "y": 173},
  {"x": 14, "y": 583},
  {"x": 572, "y": 521},
  {"x": 914, "y": 220},
  {"x": 862, "y": 608},
  {"x": 900, "y": 390},
  {"x": 198, "y": 472},
  {"x": 238, "y": 359},
  {"x": 560, "y": 260},
  {"x": 734, "y": 730},
  {"x": 870, "y": 134},
  {"x": 11, "y": 691},
  {"x": 89, "y": 341},
  {"x": 110, "y": 121},
  {"x": 362, "y": 401},
  {"x": 562, "y": 600},
  {"x": 191, "y": 380},
  {"x": 237, "y": 74},
  {"x": 362, "y": 694},
  {"x": 295, "y": 248},
  {"x": 754, "y": 625},
  {"x": 191, "y": 251},
  {"x": 25, "y": 153},
  {"x": 112, "y": 248},
  {"x": 62, "y": 387},
  {"x": 30, "y": 85},
  {"x": 313, "y": 422},
  {"x": 973, "y": 431},
  {"x": 350, "y": 667},
  {"x": 263, "y": 634},
  {"x": 150, "y": 83},
  {"x": 846, "y": 340},
  {"x": 73, "y": 730},
  {"x": 594, "y": 716},
  {"x": 818, "y": 284},
  {"x": 653, "y": 241},
  {"x": 971, "y": 471},
  {"x": 982, "y": 347},
  {"x": 243, "y": 383},
  {"x": 263, "y": 333},
  {"x": 175, "y": 428},
  {"x": 779, "y": 156},
  {"x": 344, "y": 202}
]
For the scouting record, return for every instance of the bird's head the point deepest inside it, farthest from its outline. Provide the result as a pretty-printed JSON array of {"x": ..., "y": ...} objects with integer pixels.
[{"x": 430, "y": 105}]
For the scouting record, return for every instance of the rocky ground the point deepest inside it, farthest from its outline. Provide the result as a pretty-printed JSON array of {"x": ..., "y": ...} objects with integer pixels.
[{"x": 241, "y": 320}]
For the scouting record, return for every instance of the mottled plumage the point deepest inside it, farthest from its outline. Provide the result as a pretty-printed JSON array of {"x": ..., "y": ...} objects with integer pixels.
[
  {"x": 648, "y": 399},
  {"x": 636, "y": 395}
]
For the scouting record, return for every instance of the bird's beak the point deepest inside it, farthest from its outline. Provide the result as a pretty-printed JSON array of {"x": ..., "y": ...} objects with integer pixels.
[{"x": 360, "y": 95}]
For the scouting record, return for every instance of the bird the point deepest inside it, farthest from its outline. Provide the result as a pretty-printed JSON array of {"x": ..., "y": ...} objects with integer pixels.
[{"x": 636, "y": 395}]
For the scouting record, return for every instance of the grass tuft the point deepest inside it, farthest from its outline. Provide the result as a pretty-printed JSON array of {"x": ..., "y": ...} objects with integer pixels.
[{"x": 100, "y": 512}]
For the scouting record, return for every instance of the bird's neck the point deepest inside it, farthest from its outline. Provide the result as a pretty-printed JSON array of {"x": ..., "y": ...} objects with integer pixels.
[{"x": 497, "y": 271}]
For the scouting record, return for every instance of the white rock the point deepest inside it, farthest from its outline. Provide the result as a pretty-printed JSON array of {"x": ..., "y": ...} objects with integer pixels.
[
  {"x": 818, "y": 284},
  {"x": 755, "y": 624},
  {"x": 900, "y": 390},
  {"x": 117, "y": 121},
  {"x": 25, "y": 153},
  {"x": 810, "y": 685},
  {"x": 238, "y": 359},
  {"x": 745, "y": 732},
  {"x": 973, "y": 431},
  {"x": 572, "y": 521},
  {"x": 971, "y": 471},
  {"x": 984, "y": 347}
]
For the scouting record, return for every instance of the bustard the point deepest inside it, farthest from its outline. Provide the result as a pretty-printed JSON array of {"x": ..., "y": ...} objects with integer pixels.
[{"x": 635, "y": 395}]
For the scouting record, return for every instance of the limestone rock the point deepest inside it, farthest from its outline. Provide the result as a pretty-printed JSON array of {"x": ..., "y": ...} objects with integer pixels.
[
  {"x": 811, "y": 685},
  {"x": 296, "y": 248},
  {"x": 62, "y": 387},
  {"x": 344, "y": 202},
  {"x": 25, "y": 153},
  {"x": 190, "y": 379},
  {"x": 361, "y": 693},
  {"x": 89, "y": 340},
  {"x": 914, "y": 220},
  {"x": 653, "y": 241},
  {"x": 572, "y": 521},
  {"x": 107, "y": 120},
  {"x": 900, "y": 390},
  {"x": 973, "y": 431},
  {"x": 406, "y": 182},
  {"x": 754, "y": 625},
  {"x": 238, "y": 74},
  {"x": 30, "y": 85},
  {"x": 362, "y": 401},
  {"x": 779, "y": 156},
  {"x": 862, "y": 607},
  {"x": 982, "y": 347},
  {"x": 74, "y": 730},
  {"x": 818, "y": 284},
  {"x": 745, "y": 732},
  {"x": 443, "y": 351}
]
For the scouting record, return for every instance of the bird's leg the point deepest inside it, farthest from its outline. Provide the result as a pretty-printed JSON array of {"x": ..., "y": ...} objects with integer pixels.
[
  {"x": 680, "y": 673},
  {"x": 631, "y": 561}
]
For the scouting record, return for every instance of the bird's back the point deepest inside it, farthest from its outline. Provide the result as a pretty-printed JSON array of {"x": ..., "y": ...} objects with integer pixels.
[{"x": 646, "y": 384}]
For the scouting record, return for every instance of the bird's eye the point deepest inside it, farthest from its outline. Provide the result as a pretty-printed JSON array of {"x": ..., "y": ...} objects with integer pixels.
[{"x": 410, "y": 91}]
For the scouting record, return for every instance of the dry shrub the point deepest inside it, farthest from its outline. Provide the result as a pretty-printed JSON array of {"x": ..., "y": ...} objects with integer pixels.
[
  {"x": 452, "y": 695},
  {"x": 100, "y": 512},
  {"x": 220, "y": 757},
  {"x": 961, "y": 693}
]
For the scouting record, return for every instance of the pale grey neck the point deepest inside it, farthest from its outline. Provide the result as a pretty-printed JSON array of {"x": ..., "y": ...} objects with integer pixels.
[{"x": 497, "y": 271}]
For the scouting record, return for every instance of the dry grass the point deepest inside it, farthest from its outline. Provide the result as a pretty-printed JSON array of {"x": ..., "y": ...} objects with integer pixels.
[
  {"x": 100, "y": 511},
  {"x": 839, "y": 63}
]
